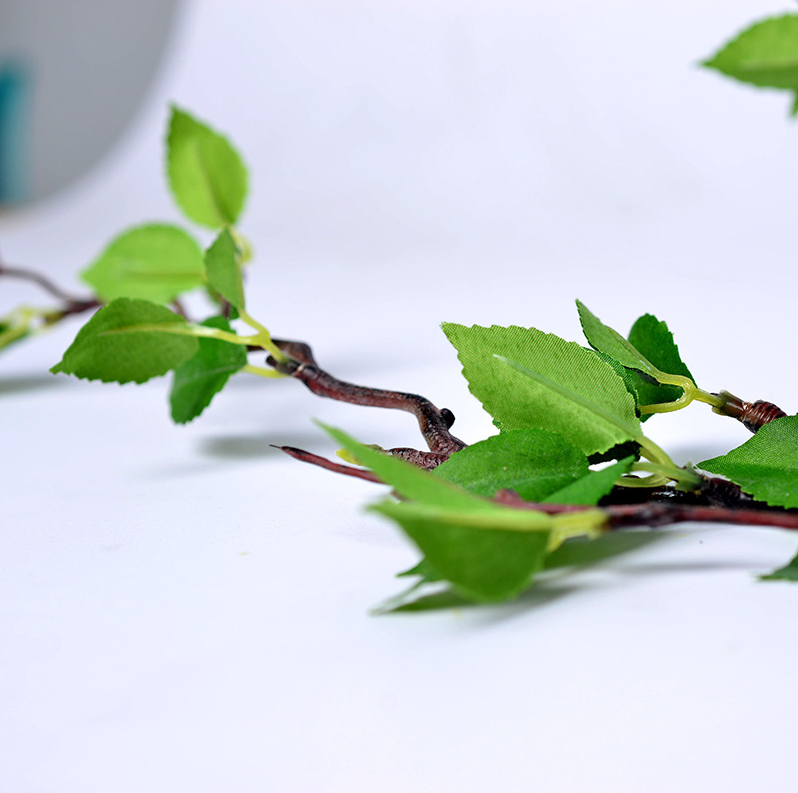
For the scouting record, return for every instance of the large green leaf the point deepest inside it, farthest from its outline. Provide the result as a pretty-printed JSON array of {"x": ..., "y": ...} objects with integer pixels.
[
  {"x": 765, "y": 55},
  {"x": 515, "y": 401},
  {"x": 654, "y": 340},
  {"x": 532, "y": 462},
  {"x": 222, "y": 265},
  {"x": 201, "y": 377},
  {"x": 766, "y": 465},
  {"x": 154, "y": 262},
  {"x": 122, "y": 342},
  {"x": 206, "y": 174}
]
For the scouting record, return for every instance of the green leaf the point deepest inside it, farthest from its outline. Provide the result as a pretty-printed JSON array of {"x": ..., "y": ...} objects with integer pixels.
[
  {"x": 787, "y": 573},
  {"x": 154, "y": 262},
  {"x": 532, "y": 462},
  {"x": 201, "y": 377},
  {"x": 110, "y": 348},
  {"x": 473, "y": 550},
  {"x": 604, "y": 339},
  {"x": 654, "y": 340},
  {"x": 576, "y": 552},
  {"x": 412, "y": 600},
  {"x": 592, "y": 487},
  {"x": 517, "y": 402},
  {"x": 205, "y": 173},
  {"x": 766, "y": 465},
  {"x": 223, "y": 270},
  {"x": 650, "y": 347},
  {"x": 765, "y": 55},
  {"x": 424, "y": 570},
  {"x": 489, "y": 552}
]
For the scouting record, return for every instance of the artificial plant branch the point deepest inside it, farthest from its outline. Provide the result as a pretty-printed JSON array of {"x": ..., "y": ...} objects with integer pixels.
[
  {"x": 753, "y": 415},
  {"x": 663, "y": 513},
  {"x": 71, "y": 303},
  {"x": 433, "y": 422}
]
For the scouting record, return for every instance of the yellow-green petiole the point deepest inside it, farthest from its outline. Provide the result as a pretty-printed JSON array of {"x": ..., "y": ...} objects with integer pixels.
[{"x": 690, "y": 393}]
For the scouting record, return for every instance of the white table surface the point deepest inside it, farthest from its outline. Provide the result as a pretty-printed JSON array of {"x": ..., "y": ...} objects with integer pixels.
[{"x": 184, "y": 608}]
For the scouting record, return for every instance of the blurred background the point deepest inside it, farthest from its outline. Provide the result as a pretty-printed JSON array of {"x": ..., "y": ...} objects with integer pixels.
[
  {"x": 471, "y": 161},
  {"x": 582, "y": 135}
]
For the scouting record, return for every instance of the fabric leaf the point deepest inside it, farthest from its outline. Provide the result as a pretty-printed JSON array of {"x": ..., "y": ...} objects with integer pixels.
[
  {"x": 654, "y": 340},
  {"x": 472, "y": 550},
  {"x": 532, "y": 462},
  {"x": 766, "y": 465},
  {"x": 155, "y": 262},
  {"x": 604, "y": 339},
  {"x": 111, "y": 348},
  {"x": 516, "y": 402},
  {"x": 197, "y": 380},
  {"x": 765, "y": 55},
  {"x": 206, "y": 174},
  {"x": 223, "y": 269},
  {"x": 787, "y": 573}
]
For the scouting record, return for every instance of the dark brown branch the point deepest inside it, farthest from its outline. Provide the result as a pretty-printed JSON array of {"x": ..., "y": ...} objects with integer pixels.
[
  {"x": 322, "y": 462},
  {"x": 656, "y": 514},
  {"x": 71, "y": 304},
  {"x": 433, "y": 422},
  {"x": 40, "y": 280}
]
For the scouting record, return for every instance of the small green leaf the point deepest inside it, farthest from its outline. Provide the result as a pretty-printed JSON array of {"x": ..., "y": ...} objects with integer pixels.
[
  {"x": 223, "y": 269},
  {"x": 516, "y": 401},
  {"x": 766, "y": 465},
  {"x": 604, "y": 339},
  {"x": 787, "y": 573},
  {"x": 110, "y": 348},
  {"x": 201, "y": 377},
  {"x": 155, "y": 262},
  {"x": 765, "y": 55},
  {"x": 532, "y": 462},
  {"x": 654, "y": 340},
  {"x": 206, "y": 174},
  {"x": 592, "y": 487}
]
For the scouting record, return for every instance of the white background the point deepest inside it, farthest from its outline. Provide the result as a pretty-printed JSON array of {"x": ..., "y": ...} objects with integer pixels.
[{"x": 182, "y": 608}]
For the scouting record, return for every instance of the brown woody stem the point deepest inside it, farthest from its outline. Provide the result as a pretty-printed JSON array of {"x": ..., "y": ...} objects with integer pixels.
[
  {"x": 656, "y": 514},
  {"x": 72, "y": 304},
  {"x": 433, "y": 422}
]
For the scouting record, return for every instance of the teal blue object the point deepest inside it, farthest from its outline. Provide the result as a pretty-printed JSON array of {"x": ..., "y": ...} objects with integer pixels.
[{"x": 14, "y": 132}]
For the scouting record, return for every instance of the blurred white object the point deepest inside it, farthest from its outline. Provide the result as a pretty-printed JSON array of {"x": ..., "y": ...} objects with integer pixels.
[{"x": 71, "y": 78}]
